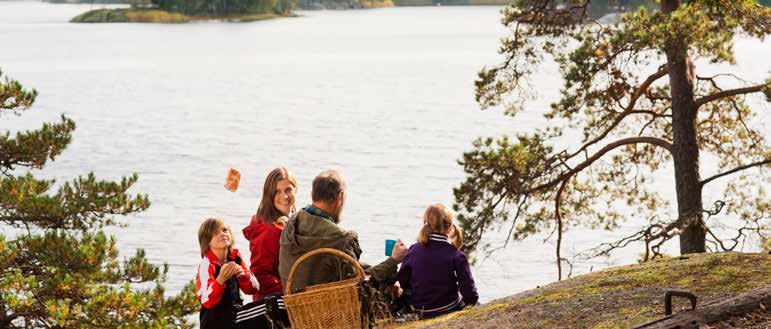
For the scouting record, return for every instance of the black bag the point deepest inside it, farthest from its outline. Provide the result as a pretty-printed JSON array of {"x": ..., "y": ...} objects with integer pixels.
[{"x": 266, "y": 313}]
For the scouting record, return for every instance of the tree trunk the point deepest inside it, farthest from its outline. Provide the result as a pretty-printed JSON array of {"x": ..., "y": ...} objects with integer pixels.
[{"x": 685, "y": 147}]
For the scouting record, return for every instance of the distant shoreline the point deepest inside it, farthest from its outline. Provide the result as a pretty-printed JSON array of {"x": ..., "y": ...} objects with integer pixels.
[
  {"x": 423, "y": 3},
  {"x": 129, "y": 15},
  {"x": 149, "y": 15}
]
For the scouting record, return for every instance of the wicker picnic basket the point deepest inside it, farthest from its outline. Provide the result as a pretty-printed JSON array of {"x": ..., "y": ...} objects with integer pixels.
[{"x": 325, "y": 306}]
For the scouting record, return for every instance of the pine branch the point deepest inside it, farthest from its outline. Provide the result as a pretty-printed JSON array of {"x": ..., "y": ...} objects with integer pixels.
[
  {"x": 13, "y": 97},
  {"x": 630, "y": 109},
  {"x": 82, "y": 204},
  {"x": 599, "y": 154},
  {"x": 737, "y": 169},
  {"x": 34, "y": 148},
  {"x": 731, "y": 92}
]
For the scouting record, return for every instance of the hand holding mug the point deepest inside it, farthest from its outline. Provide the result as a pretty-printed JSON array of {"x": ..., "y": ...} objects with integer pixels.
[{"x": 399, "y": 251}]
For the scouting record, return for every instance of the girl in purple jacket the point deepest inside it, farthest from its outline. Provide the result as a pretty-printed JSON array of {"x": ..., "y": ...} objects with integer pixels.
[{"x": 435, "y": 271}]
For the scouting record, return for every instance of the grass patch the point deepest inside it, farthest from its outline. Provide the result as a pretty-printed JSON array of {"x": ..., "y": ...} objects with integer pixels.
[
  {"x": 155, "y": 16},
  {"x": 370, "y": 4},
  {"x": 618, "y": 297}
]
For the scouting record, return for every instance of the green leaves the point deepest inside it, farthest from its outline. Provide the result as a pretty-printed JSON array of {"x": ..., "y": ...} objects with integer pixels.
[
  {"x": 500, "y": 177},
  {"x": 225, "y": 8},
  {"x": 33, "y": 149},
  {"x": 13, "y": 97},
  {"x": 60, "y": 270},
  {"x": 75, "y": 275},
  {"x": 82, "y": 204},
  {"x": 624, "y": 83}
]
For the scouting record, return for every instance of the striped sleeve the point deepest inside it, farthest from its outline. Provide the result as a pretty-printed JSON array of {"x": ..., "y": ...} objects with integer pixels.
[
  {"x": 208, "y": 290},
  {"x": 247, "y": 282}
]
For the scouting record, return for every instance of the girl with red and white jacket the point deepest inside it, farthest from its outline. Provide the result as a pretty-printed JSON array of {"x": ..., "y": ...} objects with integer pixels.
[{"x": 221, "y": 274}]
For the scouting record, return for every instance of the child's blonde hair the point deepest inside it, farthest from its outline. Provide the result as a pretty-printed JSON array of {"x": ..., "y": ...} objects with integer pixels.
[
  {"x": 456, "y": 238},
  {"x": 206, "y": 232},
  {"x": 437, "y": 219}
]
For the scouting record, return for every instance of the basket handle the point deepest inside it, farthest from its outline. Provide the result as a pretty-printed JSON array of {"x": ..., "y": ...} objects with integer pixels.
[{"x": 344, "y": 256}]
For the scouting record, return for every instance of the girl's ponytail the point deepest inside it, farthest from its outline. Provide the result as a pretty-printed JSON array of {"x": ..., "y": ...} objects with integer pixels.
[
  {"x": 425, "y": 232},
  {"x": 456, "y": 238}
]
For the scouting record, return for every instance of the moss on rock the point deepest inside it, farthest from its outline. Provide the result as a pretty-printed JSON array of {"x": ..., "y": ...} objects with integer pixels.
[{"x": 618, "y": 297}]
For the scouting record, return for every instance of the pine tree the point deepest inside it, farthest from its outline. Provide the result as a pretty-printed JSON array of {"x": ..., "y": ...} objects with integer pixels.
[
  {"x": 58, "y": 269},
  {"x": 634, "y": 91}
]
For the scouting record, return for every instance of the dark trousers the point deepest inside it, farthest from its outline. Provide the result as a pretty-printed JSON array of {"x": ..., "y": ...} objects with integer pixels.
[{"x": 268, "y": 312}]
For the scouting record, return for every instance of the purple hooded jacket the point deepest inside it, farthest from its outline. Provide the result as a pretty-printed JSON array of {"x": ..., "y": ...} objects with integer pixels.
[{"x": 435, "y": 273}]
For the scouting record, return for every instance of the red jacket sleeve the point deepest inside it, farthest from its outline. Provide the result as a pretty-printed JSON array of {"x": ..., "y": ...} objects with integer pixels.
[
  {"x": 247, "y": 282},
  {"x": 208, "y": 290},
  {"x": 265, "y": 262}
]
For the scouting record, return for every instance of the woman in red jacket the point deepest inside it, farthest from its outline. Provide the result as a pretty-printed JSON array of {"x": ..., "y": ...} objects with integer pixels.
[{"x": 264, "y": 230}]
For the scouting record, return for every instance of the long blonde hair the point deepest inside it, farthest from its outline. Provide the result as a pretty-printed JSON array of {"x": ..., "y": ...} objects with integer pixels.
[
  {"x": 437, "y": 219},
  {"x": 267, "y": 209},
  {"x": 206, "y": 232}
]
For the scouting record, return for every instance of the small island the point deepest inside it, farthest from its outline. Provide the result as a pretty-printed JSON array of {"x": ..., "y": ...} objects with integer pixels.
[{"x": 181, "y": 11}]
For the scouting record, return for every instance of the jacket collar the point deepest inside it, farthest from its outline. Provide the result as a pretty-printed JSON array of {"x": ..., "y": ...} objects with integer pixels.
[
  {"x": 213, "y": 258},
  {"x": 438, "y": 237},
  {"x": 313, "y": 210}
]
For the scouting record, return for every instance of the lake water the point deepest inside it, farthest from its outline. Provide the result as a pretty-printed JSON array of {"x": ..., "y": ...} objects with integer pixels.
[{"x": 385, "y": 96}]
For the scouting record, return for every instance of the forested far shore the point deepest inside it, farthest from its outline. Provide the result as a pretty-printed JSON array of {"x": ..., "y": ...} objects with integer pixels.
[{"x": 596, "y": 8}]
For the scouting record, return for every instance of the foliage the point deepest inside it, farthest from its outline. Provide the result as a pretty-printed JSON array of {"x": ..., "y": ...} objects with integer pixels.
[
  {"x": 103, "y": 15},
  {"x": 600, "y": 8},
  {"x": 632, "y": 123},
  {"x": 126, "y": 15},
  {"x": 224, "y": 8},
  {"x": 58, "y": 269}
]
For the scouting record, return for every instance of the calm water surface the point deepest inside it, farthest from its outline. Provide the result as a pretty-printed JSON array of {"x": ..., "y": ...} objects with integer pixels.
[{"x": 384, "y": 96}]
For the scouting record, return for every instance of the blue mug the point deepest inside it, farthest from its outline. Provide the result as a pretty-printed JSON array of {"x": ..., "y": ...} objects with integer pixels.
[{"x": 389, "y": 247}]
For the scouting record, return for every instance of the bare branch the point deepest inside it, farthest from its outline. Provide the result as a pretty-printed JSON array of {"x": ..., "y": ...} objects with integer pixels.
[
  {"x": 740, "y": 235},
  {"x": 731, "y": 92},
  {"x": 511, "y": 228},
  {"x": 717, "y": 208},
  {"x": 712, "y": 78},
  {"x": 622, "y": 142},
  {"x": 628, "y": 110},
  {"x": 740, "y": 168},
  {"x": 646, "y": 235}
]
